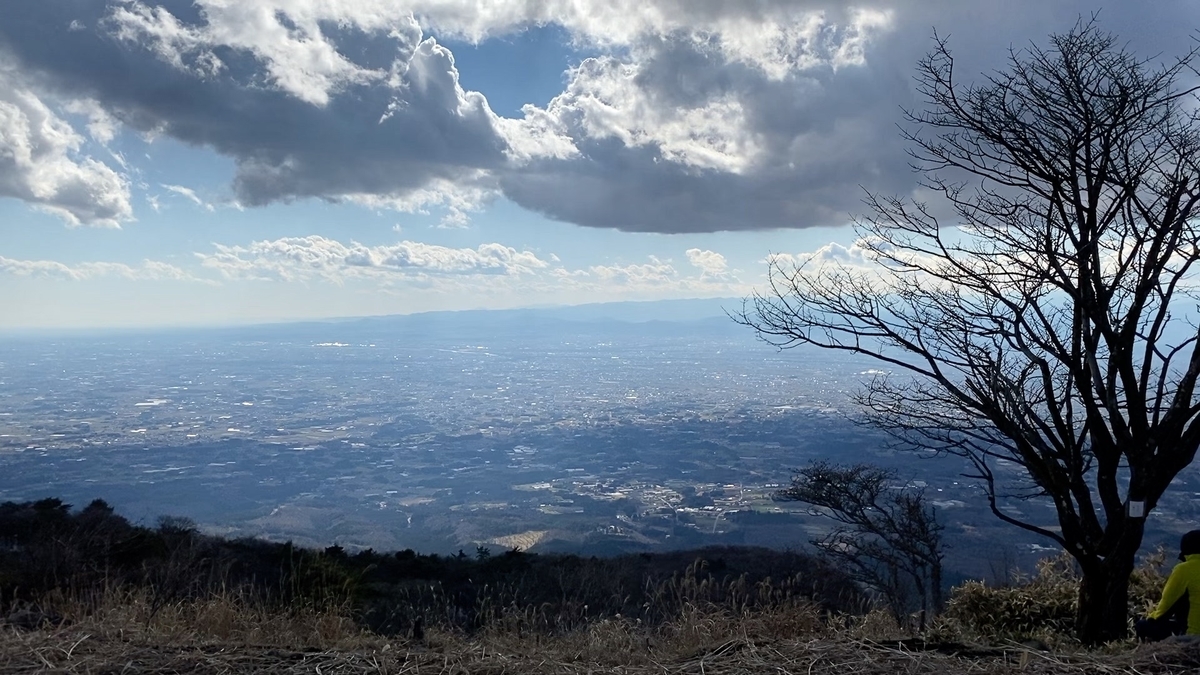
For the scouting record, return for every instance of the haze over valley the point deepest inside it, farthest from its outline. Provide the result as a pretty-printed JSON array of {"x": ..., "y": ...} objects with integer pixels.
[{"x": 586, "y": 429}]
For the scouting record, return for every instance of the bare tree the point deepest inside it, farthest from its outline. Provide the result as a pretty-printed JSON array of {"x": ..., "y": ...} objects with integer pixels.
[
  {"x": 1034, "y": 334},
  {"x": 886, "y": 537}
]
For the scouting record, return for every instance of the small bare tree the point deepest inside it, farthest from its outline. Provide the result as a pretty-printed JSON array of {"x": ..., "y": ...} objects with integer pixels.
[
  {"x": 1035, "y": 337},
  {"x": 887, "y": 537}
]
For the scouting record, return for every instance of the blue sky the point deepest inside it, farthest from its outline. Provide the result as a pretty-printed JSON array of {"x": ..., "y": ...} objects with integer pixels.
[{"x": 171, "y": 162}]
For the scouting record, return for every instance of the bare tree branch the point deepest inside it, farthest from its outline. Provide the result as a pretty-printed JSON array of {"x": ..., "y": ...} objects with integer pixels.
[
  {"x": 1027, "y": 314},
  {"x": 887, "y": 534}
]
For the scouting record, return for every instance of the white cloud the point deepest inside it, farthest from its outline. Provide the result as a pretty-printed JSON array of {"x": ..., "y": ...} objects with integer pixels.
[
  {"x": 672, "y": 88},
  {"x": 865, "y": 259},
  {"x": 538, "y": 134},
  {"x": 605, "y": 100},
  {"x": 688, "y": 128},
  {"x": 41, "y": 162},
  {"x": 710, "y": 263},
  {"x": 335, "y": 100},
  {"x": 654, "y": 273},
  {"x": 303, "y": 258},
  {"x": 857, "y": 254},
  {"x": 693, "y": 115},
  {"x": 316, "y": 276},
  {"x": 372, "y": 109},
  {"x": 186, "y": 193},
  {"x": 100, "y": 126},
  {"x": 148, "y": 270},
  {"x": 775, "y": 37},
  {"x": 653, "y": 279},
  {"x": 285, "y": 36},
  {"x": 490, "y": 270},
  {"x": 457, "y": 199}
]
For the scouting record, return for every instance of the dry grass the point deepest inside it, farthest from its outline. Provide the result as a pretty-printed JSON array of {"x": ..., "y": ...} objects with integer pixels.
[
  {"x": 124, "y": 632},
  {"x": 706, "y": 627},
  {"x": 74, "y": 650},
  {"x": 133, "y": 615},
  {"x": 1041, "y": 606}
]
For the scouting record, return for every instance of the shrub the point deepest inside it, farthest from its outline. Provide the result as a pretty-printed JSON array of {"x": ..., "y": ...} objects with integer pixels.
[{"x": 1043, "y": 605}]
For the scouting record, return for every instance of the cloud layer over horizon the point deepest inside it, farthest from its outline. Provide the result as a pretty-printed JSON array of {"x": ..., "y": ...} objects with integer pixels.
[{"x": 465, "y": 276}]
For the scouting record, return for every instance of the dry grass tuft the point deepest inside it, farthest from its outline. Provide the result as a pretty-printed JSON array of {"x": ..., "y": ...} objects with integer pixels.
[
  {"x": 617, "y": 641},
  {"x": 134, "y": 614},
  {"x": 699, "y": 626},
  {"x": 124, "y": 631},
  {"x": 75, "y": 650},
  {"x": 1042, "y": 606}
]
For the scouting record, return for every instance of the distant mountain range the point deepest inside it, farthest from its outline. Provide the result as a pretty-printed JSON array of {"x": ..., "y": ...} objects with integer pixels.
[
  {"x": 710, "y": 311},
  {"x": 692, "y": 309},
  {"x": 643, "y": 317}
]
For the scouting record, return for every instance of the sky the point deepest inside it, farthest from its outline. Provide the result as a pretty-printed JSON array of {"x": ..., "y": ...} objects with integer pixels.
[{"x": 210, "y": 162}]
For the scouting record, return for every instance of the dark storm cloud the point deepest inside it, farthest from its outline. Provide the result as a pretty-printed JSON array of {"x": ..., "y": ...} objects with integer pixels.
[
  {"x": 370, "y": 137},
  {"x": 816, "y": 140},
  {"x": 824, "y": 134},
  {"x": 699, "y": 116}
]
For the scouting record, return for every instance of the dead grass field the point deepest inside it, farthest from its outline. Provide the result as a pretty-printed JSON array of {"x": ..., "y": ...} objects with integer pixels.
[
  {"x": 176, "y": 607},
  {"x": 125, "y": 633},
  {"x": 77, "y": 651}
]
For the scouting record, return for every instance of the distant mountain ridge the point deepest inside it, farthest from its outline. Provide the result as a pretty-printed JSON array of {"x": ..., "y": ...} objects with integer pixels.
[
  {"x": 691, "y": 309},
  {"x": 712, "y": 311},
  {"x": 647, "y": 318}
]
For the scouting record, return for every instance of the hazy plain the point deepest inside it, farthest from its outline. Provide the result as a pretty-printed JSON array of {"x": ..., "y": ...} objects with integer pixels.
[{"x": 589, "y": 430}]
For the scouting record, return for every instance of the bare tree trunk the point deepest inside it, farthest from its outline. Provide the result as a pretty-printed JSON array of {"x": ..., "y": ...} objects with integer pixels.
[
  {"x": 1103, "y": 605},
  {"x": 935, "y": 582},
  {"x": 1103, "y": 612}
]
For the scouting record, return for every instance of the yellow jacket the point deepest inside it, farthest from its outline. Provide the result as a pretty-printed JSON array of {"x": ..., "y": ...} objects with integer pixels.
[{"x": 1184, "y": 578}]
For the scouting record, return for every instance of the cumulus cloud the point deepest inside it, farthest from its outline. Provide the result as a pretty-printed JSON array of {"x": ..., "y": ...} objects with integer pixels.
[
  {"x": 286, "y": 38},
  {"x": 488, "y": 270},
  {"x": 319, "y": 269},
  {"x": 857, "y": 254},
  {"x": 691, "y": 115},
  {"x": 705, "y": 115},
  {"x": 604, "y": 100},
  {"x": 457, "y": 199},
  {"x": 654, "y": 279},
  {"x": 148, "y": 270},
  {"x": 41, "y": 162},
  {"x": 310, "y": 99},
  {"x": 867, "y": 259},
  {"x": 679, "y": 135},
  {"x": 710, "y": 263},
  {"x": 653, "y": 273},
  {"x": 773, "y": 37},
  {"x": 757, "y": 116},
  {"x": 302, "y": 258}
]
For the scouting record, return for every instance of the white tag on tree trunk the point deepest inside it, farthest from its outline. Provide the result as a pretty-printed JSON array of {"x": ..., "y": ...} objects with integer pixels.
[{"x": 1137, "y": 509}]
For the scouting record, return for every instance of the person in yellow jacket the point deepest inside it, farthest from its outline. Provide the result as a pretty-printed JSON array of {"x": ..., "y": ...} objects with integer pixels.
[{"x": 1180, "y": 596}]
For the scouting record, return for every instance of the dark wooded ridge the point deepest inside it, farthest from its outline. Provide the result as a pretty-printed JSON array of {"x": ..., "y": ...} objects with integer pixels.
[{"x": 46, "y": 547}]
